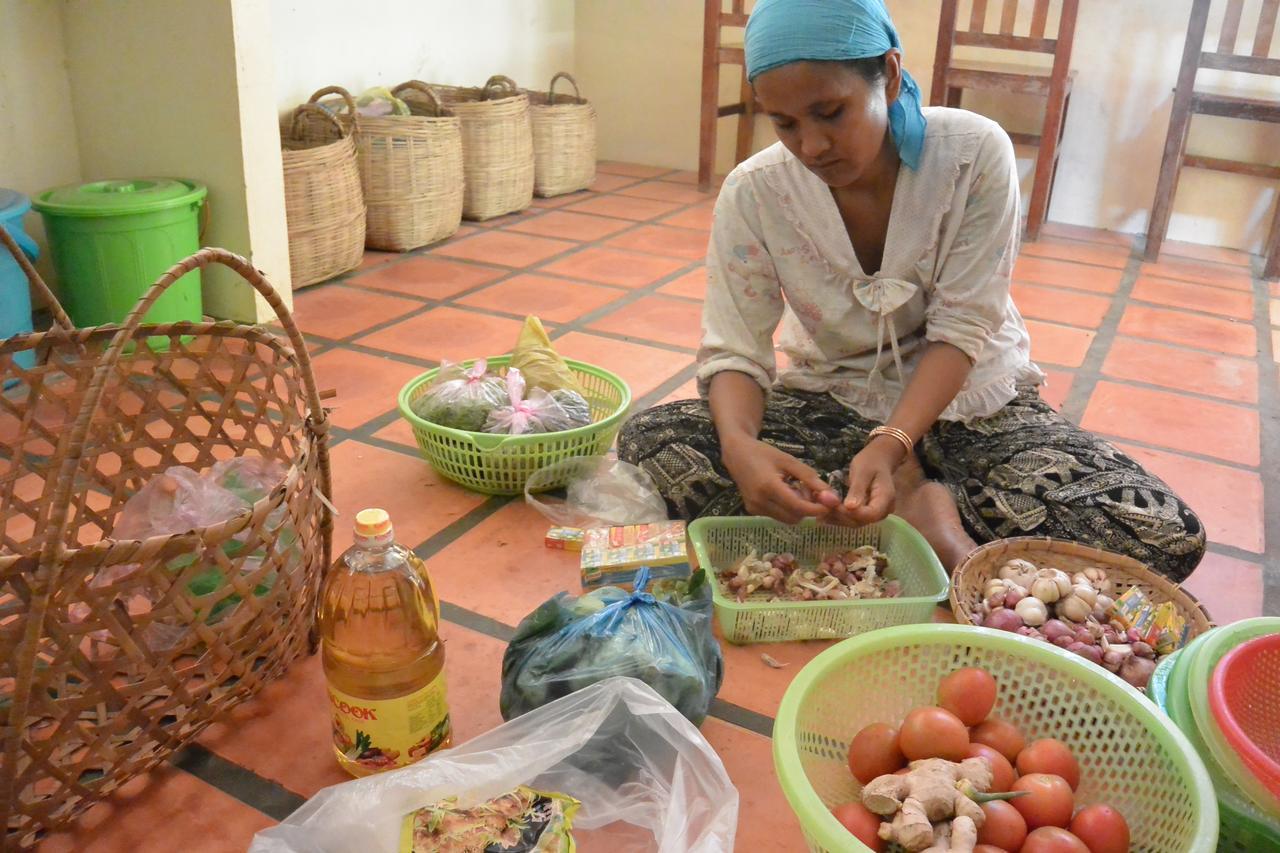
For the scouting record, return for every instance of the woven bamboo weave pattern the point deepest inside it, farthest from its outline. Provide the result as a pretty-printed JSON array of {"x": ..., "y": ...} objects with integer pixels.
[{"x": 497, "y": 147}]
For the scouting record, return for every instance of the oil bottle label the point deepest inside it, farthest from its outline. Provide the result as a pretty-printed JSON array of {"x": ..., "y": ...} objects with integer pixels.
[{"x": 379, "y": 734}]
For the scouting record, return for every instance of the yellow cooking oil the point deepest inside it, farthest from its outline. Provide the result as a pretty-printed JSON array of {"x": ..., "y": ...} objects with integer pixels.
[{"x": 382, "y": 654}]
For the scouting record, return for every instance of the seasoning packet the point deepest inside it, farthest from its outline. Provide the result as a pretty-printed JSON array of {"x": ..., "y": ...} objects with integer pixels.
[
  {"x": 1172, "y": 630},
  {"x": 564, "y": 538},
  {"x": 522, "y": 821},
  {"x": 611, "y": 555},
  {"x": 1137, "y": 612}
]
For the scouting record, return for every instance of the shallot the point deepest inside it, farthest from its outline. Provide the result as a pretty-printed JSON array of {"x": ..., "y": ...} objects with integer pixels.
[
  {"x": 1055, "y": 628},
  {"x": 1003, "y": 619},
  {"x": 1085, "y": 650},
  {"x": 1137, "y": 671}
]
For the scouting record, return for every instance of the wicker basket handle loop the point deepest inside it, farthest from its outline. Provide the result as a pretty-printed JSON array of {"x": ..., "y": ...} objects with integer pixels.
[
  {"x": 500, "y": 86},
  {"x": 563, "y": 75},
  {"x": 55, "y": 307},
  {"x": 60, "y": 515},
  {"x": 316, "y": 110},
  {"x": 347, "y": 100},
  {"x": 423, "y": 89}
]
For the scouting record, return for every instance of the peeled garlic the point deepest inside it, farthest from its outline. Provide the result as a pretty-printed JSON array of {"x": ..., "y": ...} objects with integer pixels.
[{"x": 1032, "y": 611}]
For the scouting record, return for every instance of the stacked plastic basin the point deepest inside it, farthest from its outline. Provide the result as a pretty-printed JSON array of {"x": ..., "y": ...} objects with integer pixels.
[
  {"x": 1250, "y": 818},
  {"x": 110, "y": 240},
  {"x": 15, "y": 297}
]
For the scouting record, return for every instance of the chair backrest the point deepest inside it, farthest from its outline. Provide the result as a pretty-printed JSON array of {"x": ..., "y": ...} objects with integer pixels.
[
  {"x": 997, "y": 24},
  {"x": 714, "y": 22},
  {"x": 1228, "y": 54}
]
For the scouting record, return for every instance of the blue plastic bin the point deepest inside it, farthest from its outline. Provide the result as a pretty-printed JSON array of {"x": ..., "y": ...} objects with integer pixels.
[{"x": 15, "y": 297}]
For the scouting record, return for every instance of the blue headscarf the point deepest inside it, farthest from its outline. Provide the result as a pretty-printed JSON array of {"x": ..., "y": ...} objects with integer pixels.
[{"x": 780, "y": 32}]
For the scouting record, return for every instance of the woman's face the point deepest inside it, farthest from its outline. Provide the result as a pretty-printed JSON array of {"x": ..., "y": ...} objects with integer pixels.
[{"x": 830, "y": 116}]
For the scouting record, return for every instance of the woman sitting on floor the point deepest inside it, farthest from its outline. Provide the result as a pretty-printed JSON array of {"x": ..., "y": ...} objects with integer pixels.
[{"x": 882, "y": 237}]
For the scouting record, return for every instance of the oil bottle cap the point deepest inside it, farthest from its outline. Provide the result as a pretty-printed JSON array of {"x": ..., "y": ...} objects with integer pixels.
[{"x": 373, "y": 522}]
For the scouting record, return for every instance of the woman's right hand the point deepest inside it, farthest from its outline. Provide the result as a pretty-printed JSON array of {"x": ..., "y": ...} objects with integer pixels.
[{"x": 772, "y": 482}]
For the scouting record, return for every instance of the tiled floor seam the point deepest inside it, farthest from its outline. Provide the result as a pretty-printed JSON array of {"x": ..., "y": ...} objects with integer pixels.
[
  {"x": 1269, "y": 418},
  {"x": 1088, "y": 374}
]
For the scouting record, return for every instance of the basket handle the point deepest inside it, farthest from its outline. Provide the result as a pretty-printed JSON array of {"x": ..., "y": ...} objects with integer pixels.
[
  {"x": 55, "y": 307},
  {"x": 349, "y": 101},
  {"x": 315, "y": 109},
  {"x": 563, "y": 75},
  {"x": 502, "y": 84},
  {"x": 317, "y": 423},
  {"x": 421, "y": 88}
]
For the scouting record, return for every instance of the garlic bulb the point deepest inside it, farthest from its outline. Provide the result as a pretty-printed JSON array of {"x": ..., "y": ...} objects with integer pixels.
[
  {"x": 1074, "y": 608},
  {"x": 1085, "y": 593},
  {"x": 1062, "y": 580},
  {"x": 1020, "y": 572},
  {"x": 1045, "y": 588},
  {"x": 1032, "y": 611},
  {"x": 993, "y": 586}
]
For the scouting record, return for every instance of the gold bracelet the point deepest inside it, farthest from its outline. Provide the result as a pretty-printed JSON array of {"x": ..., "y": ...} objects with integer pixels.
[{"x": 896, "y": 434}]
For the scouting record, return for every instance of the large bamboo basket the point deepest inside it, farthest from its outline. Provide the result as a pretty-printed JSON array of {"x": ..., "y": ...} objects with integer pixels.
[
  {"x": 323, "y": 202},
  {"x": 114, "y": 653},
  {"x": 1071, "y": 557},
  {"x": 497, "y": 147},
  {"x": 411, "y": 172},
  {"x": 564, "y": 140}
]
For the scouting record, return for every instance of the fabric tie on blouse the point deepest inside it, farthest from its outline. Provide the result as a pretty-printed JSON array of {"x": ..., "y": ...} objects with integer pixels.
[{"x": 883, "y": 296}]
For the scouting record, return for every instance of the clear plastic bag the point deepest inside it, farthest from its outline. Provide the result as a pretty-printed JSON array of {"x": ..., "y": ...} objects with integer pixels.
[
  {"x": 462, "y": 397},
  {"x": 569, "y": 643},
  {"x": 174, "y": 502},
  {"x": 601, "y": 492},
  {"x": 539, "y": 412},
  {"x": 647, "y": 779}
]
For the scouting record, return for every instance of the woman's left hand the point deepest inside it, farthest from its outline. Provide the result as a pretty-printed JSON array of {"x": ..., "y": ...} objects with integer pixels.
[{"x": 871, "y": 488}]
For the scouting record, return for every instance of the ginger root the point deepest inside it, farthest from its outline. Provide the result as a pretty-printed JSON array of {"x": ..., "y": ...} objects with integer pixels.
[{"x": 927, "y": 795}]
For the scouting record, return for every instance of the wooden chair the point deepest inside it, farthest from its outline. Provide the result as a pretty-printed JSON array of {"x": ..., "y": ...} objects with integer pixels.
[
  {"x": 952, "y": 76},
  {"x": 1189, "y": 101},
  {"x": 717, "y": 51}
]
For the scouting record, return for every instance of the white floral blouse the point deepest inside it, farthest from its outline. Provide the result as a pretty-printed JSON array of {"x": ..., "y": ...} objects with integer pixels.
[{"x": 779, "y": 253}]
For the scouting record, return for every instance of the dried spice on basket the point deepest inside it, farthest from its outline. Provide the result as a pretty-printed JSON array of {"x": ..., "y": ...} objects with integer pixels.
[
  {"x": 858, "y": 573},
  {"x": 1126, "y": 634}
]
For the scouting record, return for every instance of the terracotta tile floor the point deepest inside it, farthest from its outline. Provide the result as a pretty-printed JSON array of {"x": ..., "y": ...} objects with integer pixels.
[{"x": 1172, "y": 360}]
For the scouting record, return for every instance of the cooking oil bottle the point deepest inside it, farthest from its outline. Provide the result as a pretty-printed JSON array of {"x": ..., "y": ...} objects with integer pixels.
[{"x": 382, "y": 654}]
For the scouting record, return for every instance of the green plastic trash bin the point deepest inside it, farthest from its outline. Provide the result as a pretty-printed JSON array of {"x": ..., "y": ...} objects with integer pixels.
[{"x": 110, "y": 240}]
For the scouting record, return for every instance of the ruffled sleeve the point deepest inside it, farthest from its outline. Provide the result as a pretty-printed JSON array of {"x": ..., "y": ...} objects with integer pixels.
[
  {"x": 744, "y": 300},
  {"x": 971, "y": 291}
]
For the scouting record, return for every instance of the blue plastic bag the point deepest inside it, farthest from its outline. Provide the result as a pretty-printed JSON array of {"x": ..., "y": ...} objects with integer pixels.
[{"x": 572, "y": 642}]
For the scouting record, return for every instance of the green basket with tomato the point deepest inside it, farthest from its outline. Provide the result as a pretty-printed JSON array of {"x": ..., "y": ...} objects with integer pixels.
[{"x": 1131, "y": 756}]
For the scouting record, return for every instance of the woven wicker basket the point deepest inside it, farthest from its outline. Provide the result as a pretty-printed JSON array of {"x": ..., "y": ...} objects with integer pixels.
[
  {"x": 115, "y": 653},
  {"x": 497, "y": 147},
  {"x": 323, "y": 202},
  {"x": 564, "y": 140},
  {"x": 1125, "y": 572},
  {"x": 411, "y": 173}
]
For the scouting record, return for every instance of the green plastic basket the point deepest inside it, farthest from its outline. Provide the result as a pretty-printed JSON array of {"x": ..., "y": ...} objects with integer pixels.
[
  {"x": 1199, "y": 670},
  {"x": 718, "y": 543},
  {"x": 1242, "y": 827},
  {"x": 500, "y": 464},
  {"x": 1131, "y": 756}
]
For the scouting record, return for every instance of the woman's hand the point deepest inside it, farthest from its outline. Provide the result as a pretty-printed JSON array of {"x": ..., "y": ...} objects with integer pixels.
[
  {"x": 871, "y": 489},
  {"x": 776, "y": 484}
]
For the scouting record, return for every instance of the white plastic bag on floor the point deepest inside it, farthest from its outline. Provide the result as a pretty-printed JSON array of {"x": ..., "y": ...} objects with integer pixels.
[{"x": 616, "y": 746}]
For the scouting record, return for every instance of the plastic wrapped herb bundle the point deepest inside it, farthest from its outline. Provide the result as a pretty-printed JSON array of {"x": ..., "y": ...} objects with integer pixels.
[
  {"x": 521, "y": 821},
  {"x": 541, "y": 411},
  {"x": 569, "y": 643},
  {"x": 462, "y": 397}
]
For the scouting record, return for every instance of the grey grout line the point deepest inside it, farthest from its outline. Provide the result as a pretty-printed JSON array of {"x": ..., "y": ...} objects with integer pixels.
[
  {"x": 241, "y": 783},
  {"x": 1269, "y": 421},
  {"x": 1088, "y": 374},
  {"x": 1236, "y": 552}
]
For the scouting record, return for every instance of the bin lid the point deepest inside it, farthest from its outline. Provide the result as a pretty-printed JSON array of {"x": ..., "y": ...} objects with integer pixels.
[
  {"x": 120, "y": 198},
  {"x": 13, "y": 205}
]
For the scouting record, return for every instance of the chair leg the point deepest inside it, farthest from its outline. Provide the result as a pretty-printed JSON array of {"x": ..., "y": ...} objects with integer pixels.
[
  {"x": 746, "y": 121},
  {"x": 1175, "y": 147},
  {"x": 710, "y": 94},
  {"x": 954, "y": 94},
  {"x": 1053, "y": 167},
  {"x": 1272, "y": 268},
  {"x": 1046, "y": 159}
]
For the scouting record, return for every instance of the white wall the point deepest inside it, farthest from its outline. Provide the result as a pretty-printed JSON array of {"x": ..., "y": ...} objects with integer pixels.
[
  {"x": 37, "y": 127},
  {"x": 641, "y": 64},
  {"x": 321, "y": 42},
  {"x": 155, "y": 88}
]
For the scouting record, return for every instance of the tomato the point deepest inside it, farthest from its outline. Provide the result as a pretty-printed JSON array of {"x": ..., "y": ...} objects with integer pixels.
[
  {"x": 1004, "y": 826},
  {"x": 1001, "y": 769},
  {"x": 1049, "y": 756},
  {"x": 1053, "y": 839},
  {"x": 862, "y": 822},
  {"x": 1003, "y": 737},
  {"x": 875, "y": 752},
  {"x": 1102, "y": 829},
  {"x": 968, "y": 693},
  {"x": 1049, "y": 802},
  {"x": 987, "y": 848},
  {"x": 933, "y": 733}
]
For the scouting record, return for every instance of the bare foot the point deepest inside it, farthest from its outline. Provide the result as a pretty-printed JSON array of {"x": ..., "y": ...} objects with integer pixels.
[{"x": 928, "y": 507}]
